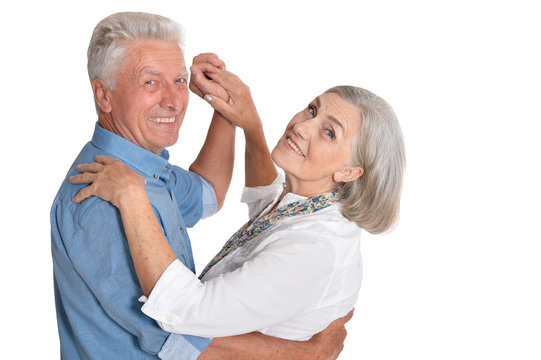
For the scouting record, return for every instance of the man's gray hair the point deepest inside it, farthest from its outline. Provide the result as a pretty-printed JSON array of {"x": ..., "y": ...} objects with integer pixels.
[
  {"x": 112, "y": 35},
  {"x": 373, "y": 200}
]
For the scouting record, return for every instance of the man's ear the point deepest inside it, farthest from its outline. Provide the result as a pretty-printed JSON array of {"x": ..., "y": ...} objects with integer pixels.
[
  {"x": 102, "y": 95},
  {"x": 348, "y": 174}
]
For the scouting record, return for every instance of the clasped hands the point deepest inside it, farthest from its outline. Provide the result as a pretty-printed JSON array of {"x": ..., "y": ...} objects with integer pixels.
[{"x": 224, "y": 91}]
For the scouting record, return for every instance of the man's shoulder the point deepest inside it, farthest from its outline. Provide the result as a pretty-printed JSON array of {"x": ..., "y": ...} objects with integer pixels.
[
  {"x": 67, "y": 190},
  {"x": 186, "y": 179}
]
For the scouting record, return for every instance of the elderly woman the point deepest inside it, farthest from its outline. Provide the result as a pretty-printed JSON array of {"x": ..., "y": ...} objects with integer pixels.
[{"x": 295, "y": 266}]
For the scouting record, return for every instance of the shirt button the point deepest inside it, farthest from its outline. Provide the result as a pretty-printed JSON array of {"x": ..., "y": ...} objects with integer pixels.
[
  {"x": 166, "y": 168},
  {"x": 155, "y": 176},
  {"x": 181, "y": 230}
]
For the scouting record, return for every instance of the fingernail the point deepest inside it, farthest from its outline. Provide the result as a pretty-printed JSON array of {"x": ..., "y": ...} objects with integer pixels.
[{"x": 208, "y": 98}]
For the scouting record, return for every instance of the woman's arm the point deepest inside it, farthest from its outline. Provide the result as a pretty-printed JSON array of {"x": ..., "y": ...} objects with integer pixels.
[
  {"x": 145, "y": 237},
  {"x": 281, "y": 282},
  {"x": 240, "y": 110},
  {"x": 112, "y": 181}
]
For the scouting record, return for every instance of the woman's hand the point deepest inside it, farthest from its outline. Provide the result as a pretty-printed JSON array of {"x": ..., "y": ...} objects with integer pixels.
[
  {"x": 109, "y": 180},
  {"x": 239, "y": 108},
  {"x": 225, "y": 92}
]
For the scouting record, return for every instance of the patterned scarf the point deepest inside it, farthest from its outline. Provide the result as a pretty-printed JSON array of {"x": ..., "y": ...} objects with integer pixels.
[{"x": 256, "y": 226}]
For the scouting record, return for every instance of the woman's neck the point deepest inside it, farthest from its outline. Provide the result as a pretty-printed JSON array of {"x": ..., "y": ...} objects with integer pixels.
[{"x": 307, "y": 189}]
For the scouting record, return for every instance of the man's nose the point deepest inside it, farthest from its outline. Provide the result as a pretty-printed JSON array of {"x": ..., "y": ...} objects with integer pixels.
[{"x": 171, "y": 98}]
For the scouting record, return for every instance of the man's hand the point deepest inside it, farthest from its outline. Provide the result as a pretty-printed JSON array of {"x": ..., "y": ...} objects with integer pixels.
[
  {"x": 200, "y": 82},
  {"x": 330, "y": 341},
  {"x": 239, "y": 108},
  {"x": 326, "y": 345}
]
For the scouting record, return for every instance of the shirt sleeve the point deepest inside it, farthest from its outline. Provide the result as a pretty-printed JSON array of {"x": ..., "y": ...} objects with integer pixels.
[
  {"x": 110, "y": 275},
  {"x": 191, "y": 192},
  {"x": 183, "y": 347},
  {"x": 287, "y": 277},
  {"x": 210, "y": 203},
  {"x": 260, "y": 196}
]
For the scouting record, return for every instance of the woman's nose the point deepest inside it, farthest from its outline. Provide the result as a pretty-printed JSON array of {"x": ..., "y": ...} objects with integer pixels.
[{"x": 304, "y": 128}]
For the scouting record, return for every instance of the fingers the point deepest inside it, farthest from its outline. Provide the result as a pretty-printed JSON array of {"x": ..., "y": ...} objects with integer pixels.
[
  {"x": 92, "y": 168},
  {"x": 204, "y": 85},
  {"x": 231, "y": 82},
  {"x": 211, "y": 58},
  {"x": 223, "y": 77},
  {"x": 348, "y": 316},
  {"x": 84, "y": 178},
  {"x": 83, "y": 194},
  {"x": 219, "y": 105},
  {"x": 104, "y": 159},
  {"x": 195, "y": 89}
]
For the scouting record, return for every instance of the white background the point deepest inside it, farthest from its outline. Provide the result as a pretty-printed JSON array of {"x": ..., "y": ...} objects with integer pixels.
[{"x": 460, "y": 276}]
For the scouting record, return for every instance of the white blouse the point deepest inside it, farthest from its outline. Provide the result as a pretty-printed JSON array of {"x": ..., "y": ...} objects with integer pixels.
[{"x": 290, "y": 281}]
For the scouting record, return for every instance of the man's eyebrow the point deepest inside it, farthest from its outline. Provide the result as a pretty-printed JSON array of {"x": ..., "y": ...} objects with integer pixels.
[{"x": 153, "y": 72}]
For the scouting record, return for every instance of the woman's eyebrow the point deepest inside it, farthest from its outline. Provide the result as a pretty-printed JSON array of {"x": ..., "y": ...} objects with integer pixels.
[
  {"x": 336, "y": 121},
  {"x": 330, "y": 117}
]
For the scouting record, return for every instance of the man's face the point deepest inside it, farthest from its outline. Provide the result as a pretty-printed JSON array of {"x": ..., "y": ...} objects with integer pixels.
[{"x": 151, "y": 95}]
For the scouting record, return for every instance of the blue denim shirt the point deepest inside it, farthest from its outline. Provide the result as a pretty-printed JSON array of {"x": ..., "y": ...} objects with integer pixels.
[{"x": 96, "y": 288}]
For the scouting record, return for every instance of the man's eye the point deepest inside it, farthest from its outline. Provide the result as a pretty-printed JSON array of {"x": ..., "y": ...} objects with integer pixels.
[
  {"x": 149, "y": 82},
  {"x": 181, "y": 80},
  {"x": 312, "y": 110}
]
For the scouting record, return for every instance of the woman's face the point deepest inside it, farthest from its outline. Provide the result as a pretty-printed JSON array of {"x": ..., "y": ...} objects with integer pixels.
[{"x": 316, "y": 148}]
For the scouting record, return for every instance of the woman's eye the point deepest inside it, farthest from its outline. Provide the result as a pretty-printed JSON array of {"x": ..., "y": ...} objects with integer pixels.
[
  {"x": 331, "y": 134},
  {"x": 312, "y": 110}
]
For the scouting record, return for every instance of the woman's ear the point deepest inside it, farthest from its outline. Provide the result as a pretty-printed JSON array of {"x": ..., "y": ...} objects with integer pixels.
[
  {"x": 102, "y": 95},
  {"x": 348, "y": 174}
]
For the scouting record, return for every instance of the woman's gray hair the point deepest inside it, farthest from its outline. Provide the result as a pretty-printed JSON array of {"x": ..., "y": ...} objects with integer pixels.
[
  {"x": 112, "y": 35},
  {"x": 373, "y": 200}
]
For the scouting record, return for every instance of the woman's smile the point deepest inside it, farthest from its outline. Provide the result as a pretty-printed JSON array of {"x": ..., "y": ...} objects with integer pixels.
[{"x": 293, "y": 146}]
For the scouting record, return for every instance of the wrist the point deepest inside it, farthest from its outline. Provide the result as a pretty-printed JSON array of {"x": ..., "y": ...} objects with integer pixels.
[
  {"x": 131, "y": 196},
  {"x": 254, "y": 130}
]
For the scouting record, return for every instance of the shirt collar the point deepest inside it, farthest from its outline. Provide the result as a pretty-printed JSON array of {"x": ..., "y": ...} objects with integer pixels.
[
  {"x": 132, "y": 155},
  {"x": 287, "y": 199}
]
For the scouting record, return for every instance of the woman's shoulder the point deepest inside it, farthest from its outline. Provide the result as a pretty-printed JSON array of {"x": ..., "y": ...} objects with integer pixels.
[
  {"x": 328, "y": 221},
  {"x": 326, "y": 230}
]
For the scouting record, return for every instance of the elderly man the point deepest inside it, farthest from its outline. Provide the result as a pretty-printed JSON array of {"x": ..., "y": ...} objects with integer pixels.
[{"x": 139, "y": 79}]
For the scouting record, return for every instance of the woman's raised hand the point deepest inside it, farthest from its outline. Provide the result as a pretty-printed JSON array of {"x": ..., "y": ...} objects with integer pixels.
[
  {"x": 224, "y": 91},
  {"x": 239, "y": 108},
  {"x": 109, "y": 180}
]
